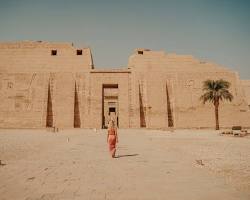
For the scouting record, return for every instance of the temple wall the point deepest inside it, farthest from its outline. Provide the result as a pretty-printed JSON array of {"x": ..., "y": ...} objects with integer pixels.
[
  {"x": 191, "y": 112},
  {"x": 246, "y": 90},
  {"x": 185, "y": 76},
  {"x": 24, "y": 57},
  {"x": 22, "y": 99},
  {"x": 156, "y": 90},
  {"x": 28, "y": 69},
  {"x": 134, "y": 104},
  {"x": 97, "y": 80},
  {"x": 63, "y": 99}
]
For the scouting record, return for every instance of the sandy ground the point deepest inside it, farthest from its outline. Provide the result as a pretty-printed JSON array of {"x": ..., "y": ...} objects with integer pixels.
[{"x": 151, "y": 165}]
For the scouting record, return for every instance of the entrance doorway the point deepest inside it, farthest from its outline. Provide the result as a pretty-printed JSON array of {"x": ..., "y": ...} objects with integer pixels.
[
  {"x": 110, "y": 105},
  {"x": 112, "y": 110}
]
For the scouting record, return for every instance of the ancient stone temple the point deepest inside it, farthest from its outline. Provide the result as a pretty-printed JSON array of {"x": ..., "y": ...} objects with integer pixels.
[{"x": 46, "y": 84}]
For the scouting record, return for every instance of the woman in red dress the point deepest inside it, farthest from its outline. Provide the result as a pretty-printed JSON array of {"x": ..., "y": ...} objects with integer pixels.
[{"x": 112, "y": 137}]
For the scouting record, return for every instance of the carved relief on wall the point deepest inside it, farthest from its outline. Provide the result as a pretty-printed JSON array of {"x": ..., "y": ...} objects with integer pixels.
[
  {"x": 22, "y": 102},
  {"x": 9, "y": 85},
  {"x": 18, "y": 92},
  {"x": 189, "y": 83},
  {"x": 6, "y": 92},
  {"x": 194, "y": 84},
  {"x": 194, "y": 90}
]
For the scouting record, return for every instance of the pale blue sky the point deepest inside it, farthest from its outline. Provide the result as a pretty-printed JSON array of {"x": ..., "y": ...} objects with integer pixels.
[{"x": 214, "y": 30}]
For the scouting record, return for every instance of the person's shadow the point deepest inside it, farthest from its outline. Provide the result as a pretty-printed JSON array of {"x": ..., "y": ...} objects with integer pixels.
[{"x": 126, "y": 155}]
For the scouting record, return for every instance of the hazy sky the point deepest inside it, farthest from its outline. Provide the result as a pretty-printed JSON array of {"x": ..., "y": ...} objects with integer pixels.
[{"x": 214, "y": 30}]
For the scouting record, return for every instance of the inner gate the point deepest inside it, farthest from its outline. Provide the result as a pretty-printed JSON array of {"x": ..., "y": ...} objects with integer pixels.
[{"x": 110, "y": 104}]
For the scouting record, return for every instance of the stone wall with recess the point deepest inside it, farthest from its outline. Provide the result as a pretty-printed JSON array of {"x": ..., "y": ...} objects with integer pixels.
[
  {"x": 181, "y": 77},
  {"x": 55, "y": 84},
  {"x": 246, "y": 90}
]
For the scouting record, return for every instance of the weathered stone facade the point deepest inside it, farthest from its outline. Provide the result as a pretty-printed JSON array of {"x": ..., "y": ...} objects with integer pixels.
[{"x": 55, "y": 85}]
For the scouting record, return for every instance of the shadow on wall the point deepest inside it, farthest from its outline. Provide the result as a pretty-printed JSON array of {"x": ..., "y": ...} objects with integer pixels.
[
  {"x": 77, "y": 121},
  {"x": 49, "y": 117}
]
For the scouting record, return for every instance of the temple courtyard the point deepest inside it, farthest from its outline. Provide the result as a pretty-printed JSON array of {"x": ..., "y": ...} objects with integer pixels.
[{"x": 150, "y": 165}]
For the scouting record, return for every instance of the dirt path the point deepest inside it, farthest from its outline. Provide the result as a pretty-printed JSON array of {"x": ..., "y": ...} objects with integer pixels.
[{"x": 151, "y": 165}]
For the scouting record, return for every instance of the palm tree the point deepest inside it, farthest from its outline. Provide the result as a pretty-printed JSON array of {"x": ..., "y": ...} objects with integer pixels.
[{"x": 216, "y": 91}]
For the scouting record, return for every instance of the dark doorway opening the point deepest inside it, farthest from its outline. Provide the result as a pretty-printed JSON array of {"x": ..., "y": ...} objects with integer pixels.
[
  {"x": 110, "y": 105},
  {"x": 112, "y": 109}
]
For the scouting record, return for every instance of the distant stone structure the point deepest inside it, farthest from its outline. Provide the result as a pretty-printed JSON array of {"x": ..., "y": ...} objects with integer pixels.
[{"x": 46, "y": 84}]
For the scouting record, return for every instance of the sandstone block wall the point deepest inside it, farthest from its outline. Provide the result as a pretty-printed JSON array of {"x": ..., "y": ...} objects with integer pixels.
[
  {"x": 246, "y": 90},
  {"x": 28, "y": 56},
  {"x": 22, "y": 97},
  {"x": 28, "y": 70},
  {"x": 156, "y": 90},
  {"x": 184, "y": 76},
  {"x": 100, "y": 78}
]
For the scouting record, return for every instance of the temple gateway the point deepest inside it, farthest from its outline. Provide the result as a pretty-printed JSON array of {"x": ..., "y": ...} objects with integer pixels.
[{"x": 44, "y": 84}]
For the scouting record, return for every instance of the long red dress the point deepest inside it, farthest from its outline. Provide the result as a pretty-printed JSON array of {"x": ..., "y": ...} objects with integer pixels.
[{"x": 112, "y": 137}]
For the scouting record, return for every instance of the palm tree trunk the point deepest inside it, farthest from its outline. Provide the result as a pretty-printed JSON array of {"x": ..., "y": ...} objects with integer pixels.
[{"x": 216, "y": 107}]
